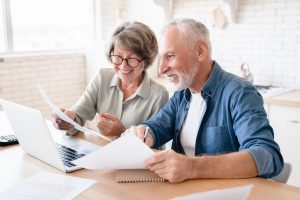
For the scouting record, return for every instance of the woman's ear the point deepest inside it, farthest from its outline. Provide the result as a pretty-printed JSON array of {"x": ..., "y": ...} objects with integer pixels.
[{"x": 202, "y": 50}]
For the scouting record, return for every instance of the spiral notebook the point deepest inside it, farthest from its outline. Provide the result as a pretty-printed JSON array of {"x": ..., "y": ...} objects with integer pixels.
[{"x": 137, "y": 175}]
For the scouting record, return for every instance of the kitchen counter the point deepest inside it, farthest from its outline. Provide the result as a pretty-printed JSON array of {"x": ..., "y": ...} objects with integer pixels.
[{"x": 291, "y": 98}]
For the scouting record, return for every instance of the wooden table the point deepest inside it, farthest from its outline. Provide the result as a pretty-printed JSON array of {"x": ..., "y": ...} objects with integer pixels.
[{"x": 16, "y": 165}]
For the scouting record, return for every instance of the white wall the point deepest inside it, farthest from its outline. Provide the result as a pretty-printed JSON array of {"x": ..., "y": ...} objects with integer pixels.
[
  {"x": 61, "y": 75},
  {"x": 107, "y": 14},
  {"x": 266, "y": 35},
  {"x": 111, "y": 13}
]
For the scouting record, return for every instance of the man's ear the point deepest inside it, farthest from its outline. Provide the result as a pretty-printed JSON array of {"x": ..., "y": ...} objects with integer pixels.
[{"x": 202, "y": 50}]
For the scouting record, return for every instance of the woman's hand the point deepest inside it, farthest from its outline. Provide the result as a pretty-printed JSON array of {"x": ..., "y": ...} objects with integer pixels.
[
  {"x": 109, "y": 124},
  {"x": 61, "y": 124}
]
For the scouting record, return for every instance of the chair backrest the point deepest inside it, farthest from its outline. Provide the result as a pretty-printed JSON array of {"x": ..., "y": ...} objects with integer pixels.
[{"x": 284, "y": 175}]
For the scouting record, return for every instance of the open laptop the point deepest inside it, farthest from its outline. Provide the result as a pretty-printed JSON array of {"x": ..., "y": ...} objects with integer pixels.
[{"x": 41, "y": 140}]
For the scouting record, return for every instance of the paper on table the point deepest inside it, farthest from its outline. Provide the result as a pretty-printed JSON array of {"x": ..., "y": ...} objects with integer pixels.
[
  {"x": 47, "y": 186},
  {"x": 64, "y": 117},
  {"x": 126, "y": 152},
  {"x": 236, "y": 193}
]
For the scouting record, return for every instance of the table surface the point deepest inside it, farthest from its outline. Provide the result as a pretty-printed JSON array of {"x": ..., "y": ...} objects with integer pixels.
[{"x": 17, "y": 165}]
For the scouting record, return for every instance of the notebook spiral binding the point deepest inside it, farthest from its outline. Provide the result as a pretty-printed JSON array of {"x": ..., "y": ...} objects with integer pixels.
[{"x": 140, "y": 180}]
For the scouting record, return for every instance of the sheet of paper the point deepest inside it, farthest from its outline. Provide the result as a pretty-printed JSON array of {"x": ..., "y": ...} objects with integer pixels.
[
  {"x": 126, "y": 152},
  {"x": 236, "y": 193},
  {"x": 64, "y": 117},
  {"x": 47, "y": 186}
]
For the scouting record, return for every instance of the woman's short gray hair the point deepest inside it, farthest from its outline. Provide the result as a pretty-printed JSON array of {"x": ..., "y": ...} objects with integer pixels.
[
  {"x": 191, "y": 31},
  {"x": 136, "y": 37}
]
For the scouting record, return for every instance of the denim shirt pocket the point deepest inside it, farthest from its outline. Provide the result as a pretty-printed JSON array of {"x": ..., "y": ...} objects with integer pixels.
[{"x": 216, "y": 140}]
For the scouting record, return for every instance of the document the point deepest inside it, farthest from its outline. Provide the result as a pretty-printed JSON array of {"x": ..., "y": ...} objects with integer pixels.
[
  {"x": 126, "y": 152},
  {"x": 47, "y": 186},
  {"x": 64, "y": 117},
  {"x": 236, "y": 193}
]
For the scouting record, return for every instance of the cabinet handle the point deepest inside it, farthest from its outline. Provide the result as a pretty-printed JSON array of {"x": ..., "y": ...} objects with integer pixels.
[{"x": 294, "y": 121}]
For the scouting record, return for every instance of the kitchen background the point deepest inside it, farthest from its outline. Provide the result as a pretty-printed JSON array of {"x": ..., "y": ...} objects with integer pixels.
[{"x": 265, "y": 34}]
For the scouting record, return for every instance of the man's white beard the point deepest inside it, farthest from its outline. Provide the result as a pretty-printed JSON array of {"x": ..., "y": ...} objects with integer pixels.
[{"x": 186, "y": 80}]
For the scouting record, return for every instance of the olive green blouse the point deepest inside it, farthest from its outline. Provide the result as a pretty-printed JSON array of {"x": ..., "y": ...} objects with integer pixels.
[{"x": 104, "y": 95}]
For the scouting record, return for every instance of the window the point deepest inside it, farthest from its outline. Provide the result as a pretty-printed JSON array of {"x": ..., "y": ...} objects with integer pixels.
[
  {"x": 44, "y": 25},
  {"x": 2, "y": 47}
]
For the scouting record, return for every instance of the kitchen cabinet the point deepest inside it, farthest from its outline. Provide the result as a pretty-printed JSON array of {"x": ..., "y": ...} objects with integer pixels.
[
  {"x": 286, "y": 124},
  {"x": 284, "y": 116}
]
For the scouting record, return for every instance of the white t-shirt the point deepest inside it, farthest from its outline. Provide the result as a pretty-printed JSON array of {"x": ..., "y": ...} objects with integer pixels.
[{"x": 192, "y": 123}]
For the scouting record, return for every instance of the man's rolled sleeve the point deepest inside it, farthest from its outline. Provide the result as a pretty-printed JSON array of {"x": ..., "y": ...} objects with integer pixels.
[
  {"x": 254, "y": 132},
  {"x": 267, "y": 162}
]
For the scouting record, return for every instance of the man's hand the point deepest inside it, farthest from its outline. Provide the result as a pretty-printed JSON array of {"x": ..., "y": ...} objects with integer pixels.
[
  {"x": 140, "y": 131},
  {"x": 61, "y": 124},
  {"x": 170, "y": 165},
  {"x": 109, "y": 124}
]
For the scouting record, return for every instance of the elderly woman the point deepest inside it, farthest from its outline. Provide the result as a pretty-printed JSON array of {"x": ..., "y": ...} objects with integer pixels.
[{"x": 125, "y": 95}]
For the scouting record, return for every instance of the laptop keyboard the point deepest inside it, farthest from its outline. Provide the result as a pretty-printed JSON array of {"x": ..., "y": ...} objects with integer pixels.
[{"x": 67, "y": 155}]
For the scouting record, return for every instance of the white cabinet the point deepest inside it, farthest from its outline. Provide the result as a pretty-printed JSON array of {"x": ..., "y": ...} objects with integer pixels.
[{"x": 285, "y": 121}]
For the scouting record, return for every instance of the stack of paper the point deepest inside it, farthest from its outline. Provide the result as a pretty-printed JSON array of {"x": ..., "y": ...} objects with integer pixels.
[
  {"x": 126, "y": 152},
  {"x": 236, "y": 193},
  {"x": 47, "y": 186}
]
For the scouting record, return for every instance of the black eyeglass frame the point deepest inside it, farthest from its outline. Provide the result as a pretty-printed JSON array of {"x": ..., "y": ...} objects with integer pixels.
[{"x": 126, "y": 59}]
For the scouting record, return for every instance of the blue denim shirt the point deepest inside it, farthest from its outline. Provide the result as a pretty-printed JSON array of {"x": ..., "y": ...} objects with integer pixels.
[{"x": 235, "y": 120}]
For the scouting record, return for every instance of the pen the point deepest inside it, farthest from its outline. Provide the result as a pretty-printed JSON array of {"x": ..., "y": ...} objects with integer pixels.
[{"x": 146, "y": 133}]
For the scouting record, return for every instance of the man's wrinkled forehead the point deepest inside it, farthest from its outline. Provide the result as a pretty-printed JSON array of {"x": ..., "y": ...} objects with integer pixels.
[{"x": 168, "y": 41}]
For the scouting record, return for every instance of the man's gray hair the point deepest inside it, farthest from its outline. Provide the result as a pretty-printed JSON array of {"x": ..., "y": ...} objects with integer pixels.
[{"x": 191, "y": 31}]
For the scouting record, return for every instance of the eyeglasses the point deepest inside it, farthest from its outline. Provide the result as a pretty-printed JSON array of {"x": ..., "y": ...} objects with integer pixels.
[{"x": 118, "y": 60}]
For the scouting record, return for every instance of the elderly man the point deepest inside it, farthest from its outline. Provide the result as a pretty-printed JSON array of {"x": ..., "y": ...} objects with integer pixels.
[{"x": 216, "y": 119}]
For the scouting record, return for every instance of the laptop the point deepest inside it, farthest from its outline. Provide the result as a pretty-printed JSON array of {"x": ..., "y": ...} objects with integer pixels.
[{"x": 41, "y": 140}]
